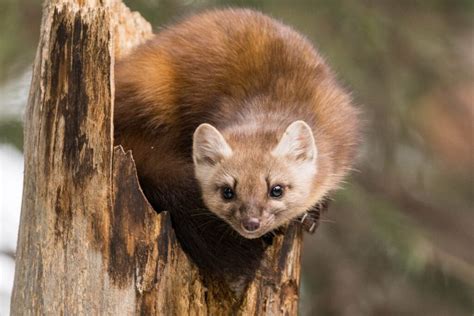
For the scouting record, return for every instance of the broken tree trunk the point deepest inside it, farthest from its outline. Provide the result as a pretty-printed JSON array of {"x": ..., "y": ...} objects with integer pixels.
[{"x": 89, "y": 242}]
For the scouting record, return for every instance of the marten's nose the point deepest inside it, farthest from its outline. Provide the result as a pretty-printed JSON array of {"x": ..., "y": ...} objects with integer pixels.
[{"x": 251, "y": 224}]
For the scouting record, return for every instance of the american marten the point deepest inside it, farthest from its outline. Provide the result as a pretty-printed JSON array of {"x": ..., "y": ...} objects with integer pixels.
[{"x": 237, "y": 127}]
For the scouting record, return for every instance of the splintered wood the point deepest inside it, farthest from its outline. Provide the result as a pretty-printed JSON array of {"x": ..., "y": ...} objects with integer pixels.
[{"x": 89, "y": 243}]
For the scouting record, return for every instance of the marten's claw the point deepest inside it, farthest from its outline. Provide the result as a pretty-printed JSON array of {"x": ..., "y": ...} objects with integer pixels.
[{"x": 310, "y": 219}]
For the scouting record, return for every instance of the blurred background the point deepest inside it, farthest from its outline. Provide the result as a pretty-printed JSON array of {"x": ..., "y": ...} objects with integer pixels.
[{"x": 399, "y": 238}]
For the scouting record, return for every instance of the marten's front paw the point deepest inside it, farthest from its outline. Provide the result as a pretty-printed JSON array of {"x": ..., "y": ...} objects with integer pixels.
[{"x": 310, "y": 219}]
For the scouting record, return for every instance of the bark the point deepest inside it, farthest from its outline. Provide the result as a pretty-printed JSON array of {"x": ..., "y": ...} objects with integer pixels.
[{"x": 89, "y": 243}]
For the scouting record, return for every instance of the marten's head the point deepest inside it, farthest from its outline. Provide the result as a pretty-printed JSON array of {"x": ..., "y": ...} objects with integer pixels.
[{"x": 256, "y": 183}]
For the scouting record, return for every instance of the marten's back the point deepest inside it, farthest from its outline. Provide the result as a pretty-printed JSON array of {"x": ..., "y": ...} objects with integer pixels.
[
  {"x": 189, "y": 72},
  {"x": 184, "y": 76}
]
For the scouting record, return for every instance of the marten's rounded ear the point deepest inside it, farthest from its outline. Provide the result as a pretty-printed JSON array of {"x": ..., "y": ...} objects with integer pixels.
[
  {"x": 209, "y": 146},
  {"x": 297, "y": 143}
]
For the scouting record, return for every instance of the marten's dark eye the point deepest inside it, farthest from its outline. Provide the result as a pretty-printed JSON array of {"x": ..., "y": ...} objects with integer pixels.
[
  {"x": 276, "y": 191},
  {"x": 227, "y": 193}
]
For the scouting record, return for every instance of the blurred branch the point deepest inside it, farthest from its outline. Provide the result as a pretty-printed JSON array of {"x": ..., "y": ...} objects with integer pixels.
[{"x": 8, "y": 253}]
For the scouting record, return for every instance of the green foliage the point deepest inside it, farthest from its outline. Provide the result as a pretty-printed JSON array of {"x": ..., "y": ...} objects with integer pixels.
[{"x": 11, "y": 131}]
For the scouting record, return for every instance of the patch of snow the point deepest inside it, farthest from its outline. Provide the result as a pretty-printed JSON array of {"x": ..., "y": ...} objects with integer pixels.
[
  {"x": 7, "y": 271},
  {"x": 11, "y": 187}
]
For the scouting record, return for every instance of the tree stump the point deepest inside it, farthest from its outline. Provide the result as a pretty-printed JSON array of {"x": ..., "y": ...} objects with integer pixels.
[{"x": 89, "y": 242}]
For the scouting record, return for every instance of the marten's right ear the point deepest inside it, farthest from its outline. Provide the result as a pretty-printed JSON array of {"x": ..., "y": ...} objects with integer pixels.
[
  {"x": 209, "y": 146},
  {"x": 297, "y": 143}
]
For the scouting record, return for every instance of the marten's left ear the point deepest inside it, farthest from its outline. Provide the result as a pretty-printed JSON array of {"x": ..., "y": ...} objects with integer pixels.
[
  {"x": 297, "y": 143},
  {"x": 209, "y": 146}
]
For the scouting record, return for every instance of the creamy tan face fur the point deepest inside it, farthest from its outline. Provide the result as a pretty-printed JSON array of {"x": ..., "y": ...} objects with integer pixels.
[{"x": 256, "y": 190}]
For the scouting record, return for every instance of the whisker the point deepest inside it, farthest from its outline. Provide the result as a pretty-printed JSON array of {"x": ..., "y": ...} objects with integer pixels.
[
  {"x": 224, "y": 234},
  {"x": 202, "y": 225}
]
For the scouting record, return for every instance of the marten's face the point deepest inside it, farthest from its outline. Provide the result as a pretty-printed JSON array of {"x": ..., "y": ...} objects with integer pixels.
[{"x": 253, "y": 189}]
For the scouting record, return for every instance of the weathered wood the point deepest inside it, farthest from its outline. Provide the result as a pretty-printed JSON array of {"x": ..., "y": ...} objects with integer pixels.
[{"x": 89, "y": 242}]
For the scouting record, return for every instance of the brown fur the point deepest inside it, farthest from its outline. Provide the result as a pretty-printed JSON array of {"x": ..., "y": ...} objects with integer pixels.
[{"x": 247, "y": 75}]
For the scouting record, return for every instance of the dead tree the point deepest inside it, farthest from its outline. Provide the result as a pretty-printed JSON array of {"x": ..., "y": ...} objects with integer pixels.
[{"x": 89, "y": 243}]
